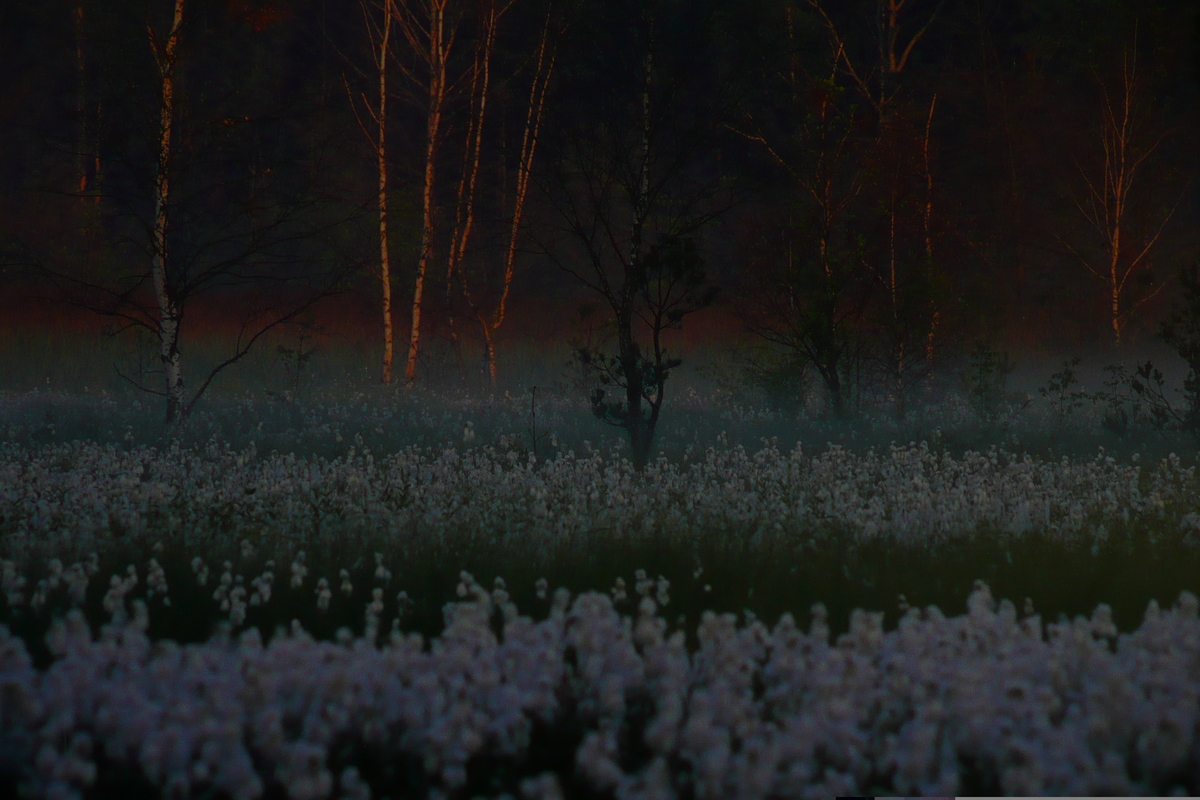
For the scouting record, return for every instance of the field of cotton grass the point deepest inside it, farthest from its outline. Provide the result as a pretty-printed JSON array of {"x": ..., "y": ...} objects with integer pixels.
[{"x": 408, "y": 594}]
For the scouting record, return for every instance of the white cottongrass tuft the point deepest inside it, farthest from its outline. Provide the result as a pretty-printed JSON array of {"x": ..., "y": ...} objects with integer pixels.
[{"x": 754, "y": 711}]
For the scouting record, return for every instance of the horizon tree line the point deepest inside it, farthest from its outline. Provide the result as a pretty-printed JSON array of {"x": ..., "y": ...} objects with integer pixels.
[{"x": 821, "y": 162}]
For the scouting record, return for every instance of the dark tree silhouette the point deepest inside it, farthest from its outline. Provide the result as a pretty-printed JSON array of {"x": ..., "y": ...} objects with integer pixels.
[
  {"x": 633, "y": 191},
  {"x": 214, "y": 218}
]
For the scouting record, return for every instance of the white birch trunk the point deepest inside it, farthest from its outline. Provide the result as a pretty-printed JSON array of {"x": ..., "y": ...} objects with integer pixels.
[
  {"x": 81, "y": 139},
  {"x": 437, "y": 90},
  {"x": 529, "y": 140},
  {"x": 385, "y": 273},
  {"x": 169, "y": 311}
]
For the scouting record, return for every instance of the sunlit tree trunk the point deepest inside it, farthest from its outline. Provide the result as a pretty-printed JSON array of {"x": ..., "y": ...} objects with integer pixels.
[
  {"x": 490, "y": 323},
  {"x": 380, "y": 38},
  {"x": 169, "y": 310},
  {"x": 431, "y": 39},
  {"x": 385, "y": 271},
  {"x": 472, "y": 147},
  {"x": 1118, "y": 179},
  {"x": 893, "y": 53},
  {"x": 1106, "y": 206},
  {"x": 878, "y": 84}
]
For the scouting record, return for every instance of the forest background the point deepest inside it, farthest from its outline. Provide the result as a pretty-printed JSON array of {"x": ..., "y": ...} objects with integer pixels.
[{"x": 851, "y": 194}]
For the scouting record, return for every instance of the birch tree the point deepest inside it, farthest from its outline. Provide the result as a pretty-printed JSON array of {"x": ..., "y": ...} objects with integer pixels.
[
  {"x": 216, "y": 223},
  {"x": 899, "y": 169},
  {"x": 464, "y": 218},
  {"x": 543, "y": 69},
  {"x": 430, "y": 28},
  {"x": 380, "y": 35},
  {"x": 169, "y": 310},
  {"x": 1107, "y": 204}
]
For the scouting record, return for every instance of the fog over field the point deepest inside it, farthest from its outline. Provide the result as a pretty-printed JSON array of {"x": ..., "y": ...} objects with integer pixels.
[
  {"x": 697, "y": 399},
  {"x": 336, "y": 515}
]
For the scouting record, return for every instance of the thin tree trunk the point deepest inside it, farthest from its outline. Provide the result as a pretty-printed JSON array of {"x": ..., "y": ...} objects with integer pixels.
[
  {"x": 928, "y": 185},
  {"x": 489, "y": 349},
  {"x": 1116, "y": 212},
  {"x": 473, "y": 145},
  {"x": 87, "y": 137},
  {"x": 933, "y": 319},
  {"x": 1107, "y": 202},
  {"x": 898, "y": 364},
  {"x": 834, "y": 384},
  {"x": 380, "y": 39},
  {"x": 630, "y": 354},
  {"x": 459, "y": 213},
  {"x": 437, "y": 91},
  {"x": 1119, "y": 191},
  {"x": 465, "y": 217},
  {"x": 529, "y": 140},
  {"x": 96, "y": 156},
  {"x": 1116, "y": 302},
  {"x": 81, "y": 140},
  {"x": 385, "y": 272},
  {"x": 168, "y": 307}
]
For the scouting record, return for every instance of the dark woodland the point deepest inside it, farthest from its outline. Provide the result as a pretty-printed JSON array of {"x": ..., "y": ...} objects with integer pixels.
[{"x": 864, "y": 191}]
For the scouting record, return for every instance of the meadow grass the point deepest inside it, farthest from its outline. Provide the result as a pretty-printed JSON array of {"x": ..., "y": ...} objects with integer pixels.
[
  {"x": 325, "y": 416},
  {"x": 405, "y": 501}
]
